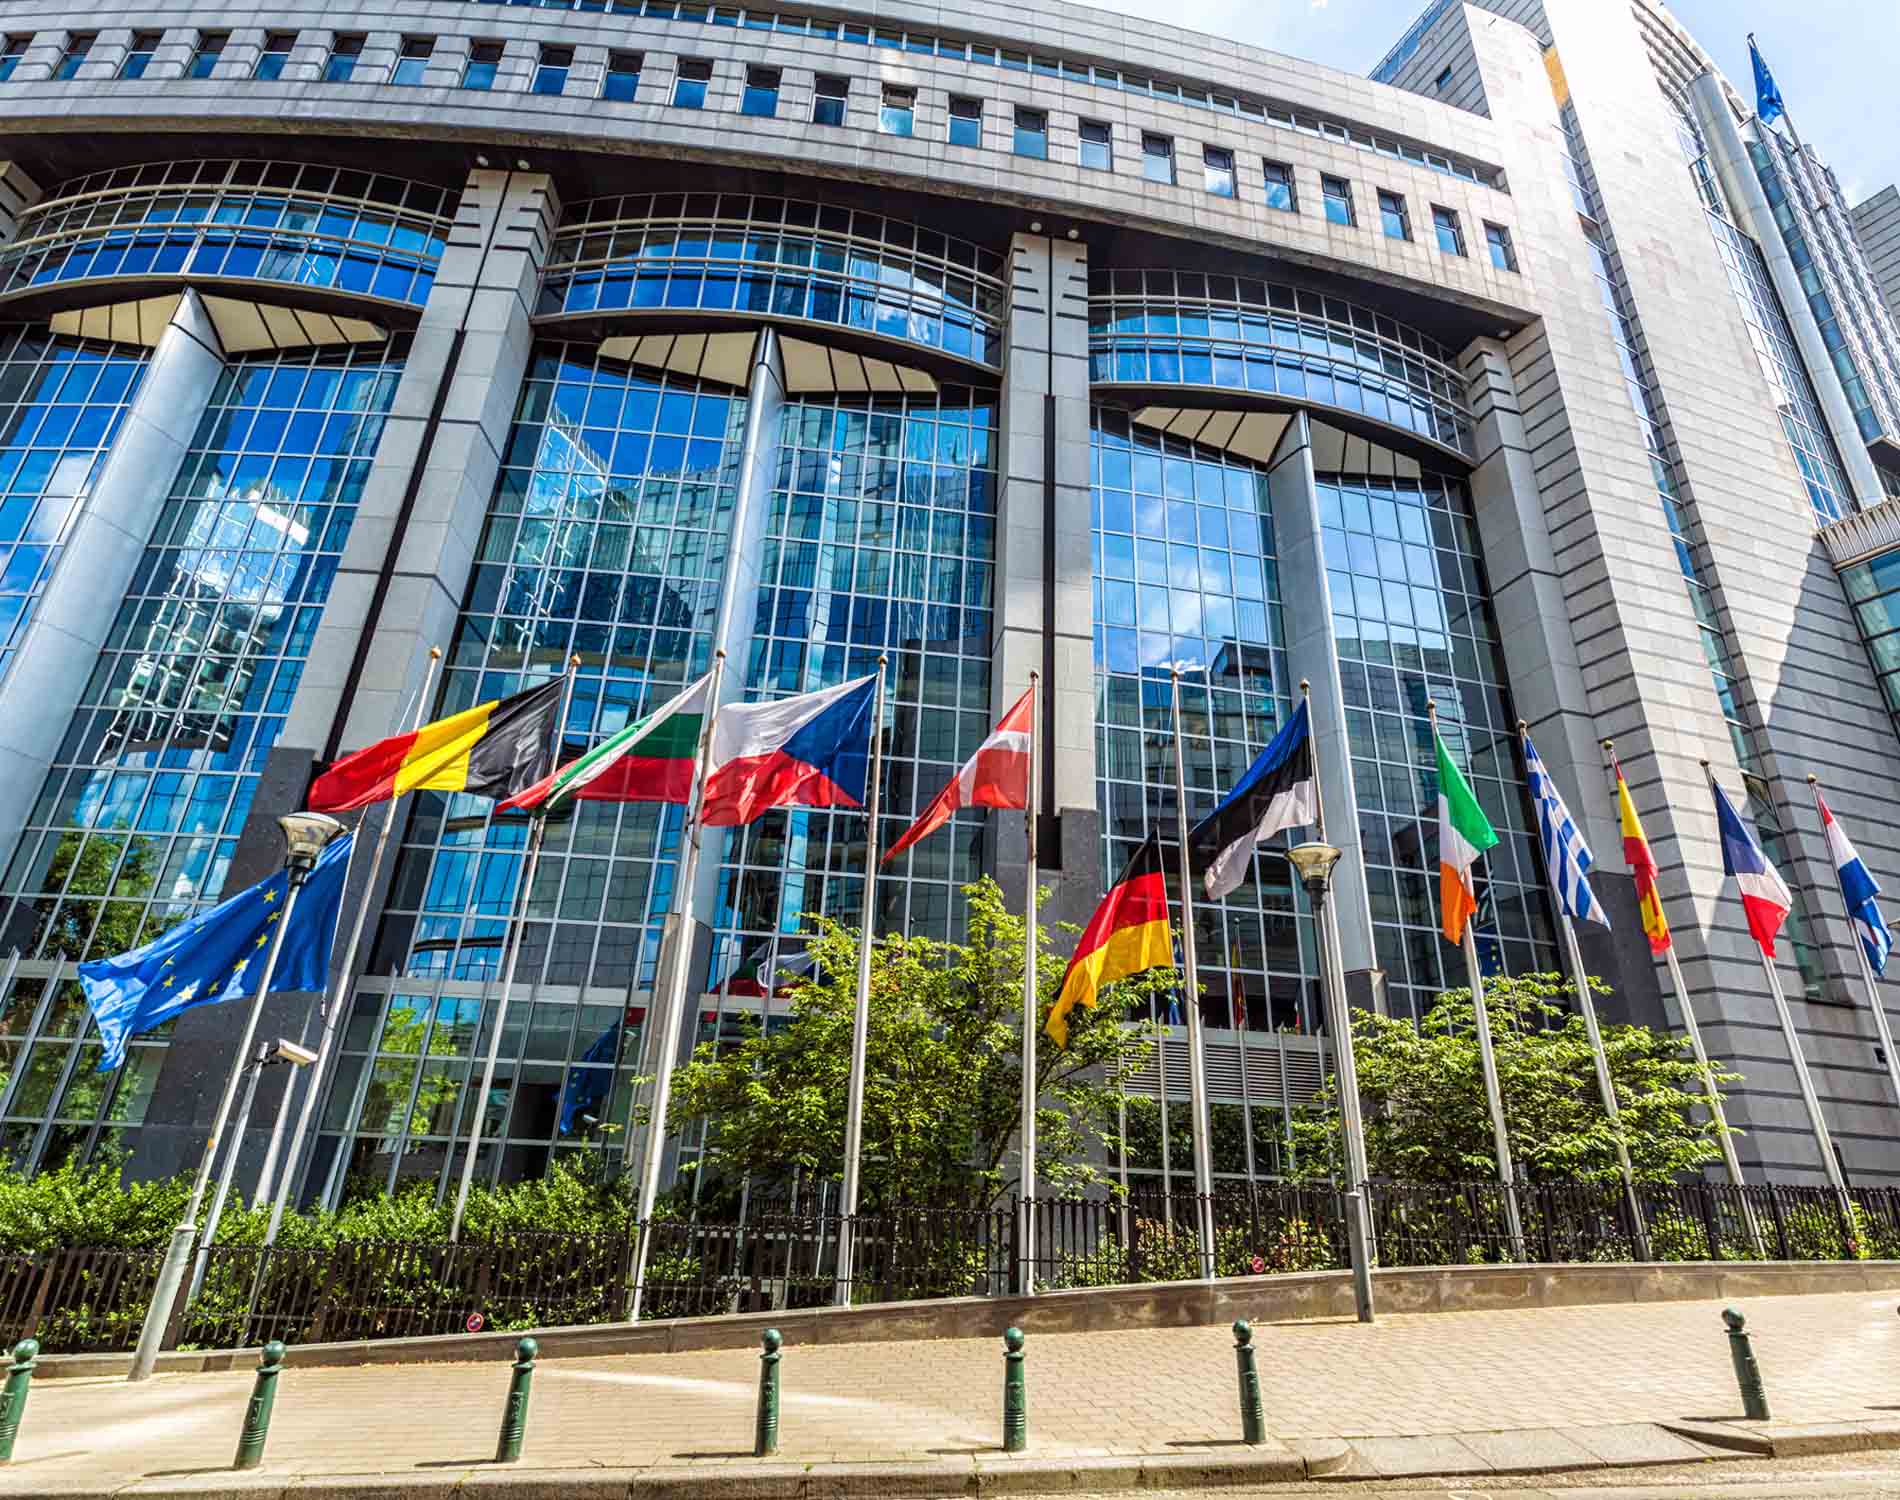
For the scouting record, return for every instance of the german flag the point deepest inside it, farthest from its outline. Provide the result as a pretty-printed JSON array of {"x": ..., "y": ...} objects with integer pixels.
[
  {"x": 1128, "y": 933},
  {"x": 492, "y": 750}
]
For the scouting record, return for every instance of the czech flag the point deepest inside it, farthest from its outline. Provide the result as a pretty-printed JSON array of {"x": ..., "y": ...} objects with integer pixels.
[
  {"x": 492, "y": 750},
  {"x": 996, "y": 776},
  {"x": 809, "y": 751},
  {"x": 1127, "y": 934},
  {"x": 1765, "y": 899},
  {"x": 1859, "y": 889}
]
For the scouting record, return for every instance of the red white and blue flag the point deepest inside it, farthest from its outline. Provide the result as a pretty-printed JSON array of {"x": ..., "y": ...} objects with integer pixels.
[
  {"x": 996, "y": 776},
  {"x": 1765, "y": 899},
  {"x": 810, "y": 751},
  {"x": 1858, "y": 889}
]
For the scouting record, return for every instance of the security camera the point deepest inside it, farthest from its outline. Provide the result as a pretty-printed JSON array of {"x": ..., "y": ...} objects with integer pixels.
[{"x": 291, "y": 1052}]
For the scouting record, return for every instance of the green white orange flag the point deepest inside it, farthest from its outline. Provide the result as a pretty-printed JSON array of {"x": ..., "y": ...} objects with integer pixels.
[
  {"x": 651, "y": 760},
  {"x": 1463, "y": 834}
]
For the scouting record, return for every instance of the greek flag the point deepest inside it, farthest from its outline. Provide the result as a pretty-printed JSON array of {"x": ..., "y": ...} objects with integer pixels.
[{"x": 1566, "y": 855}]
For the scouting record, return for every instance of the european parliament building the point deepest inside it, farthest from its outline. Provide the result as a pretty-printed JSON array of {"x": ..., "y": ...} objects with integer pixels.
[{"x": 1533, "y": 375}]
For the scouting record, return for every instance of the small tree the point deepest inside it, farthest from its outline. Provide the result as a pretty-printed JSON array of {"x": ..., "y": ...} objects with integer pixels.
[
  {"x": 1426, "y": 1119},
  {"x": 942, "y": 1090}
]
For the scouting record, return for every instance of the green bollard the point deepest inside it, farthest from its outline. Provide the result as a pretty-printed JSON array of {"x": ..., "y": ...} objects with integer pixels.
[
  {"x": 13, "y": 1402},
  {"x": 1747, "y": 1372},
  {"x": 1253, "y": 1416},
  {"x": 1015, "y": 1394},
  {"x": 250, "y": 1448},
  {"x": 765, "y": 1439},
  {"x": 514, "y": 1416}
]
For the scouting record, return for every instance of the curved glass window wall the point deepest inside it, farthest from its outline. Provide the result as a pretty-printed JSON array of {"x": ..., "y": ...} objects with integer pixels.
[
  {"x": 1241, "y": 334},
  {"x": 348, "y": 231},
  {"x": 61, "y": 402},
  {"x": 783, "y": 258}
]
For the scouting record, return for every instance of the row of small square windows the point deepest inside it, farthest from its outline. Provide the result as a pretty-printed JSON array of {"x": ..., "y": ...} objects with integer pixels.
[
  {"x": 830, "y": 97},
  {"x": 342, "y": 67}
]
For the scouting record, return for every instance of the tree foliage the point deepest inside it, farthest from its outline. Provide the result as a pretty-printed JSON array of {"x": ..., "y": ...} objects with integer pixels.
[
  {"x": 943, "y": 1083},
  {"x": 1426, "y": 1119}
]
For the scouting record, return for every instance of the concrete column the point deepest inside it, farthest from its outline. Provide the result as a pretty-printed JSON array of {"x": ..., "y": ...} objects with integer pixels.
[
  {"x": 1313, "y": 654},
  {"x": 1729, "y": 154},
  {"x": 400, "y": 584},
  {"x": 1043, "y": 599},
  {"x": 18, "y": 193},
  {"x": 115, "y": 521}
]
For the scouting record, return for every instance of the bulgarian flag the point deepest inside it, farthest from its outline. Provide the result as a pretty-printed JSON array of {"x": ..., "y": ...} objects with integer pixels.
[
  {"x": 651, "y": 760},
  {"x": 1463, "y": 834}
]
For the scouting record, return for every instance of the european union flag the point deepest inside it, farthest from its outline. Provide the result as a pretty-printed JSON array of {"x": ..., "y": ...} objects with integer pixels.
[
  {"x": 1768, "y": 103},
  {"x": 588, "y": 1086},
  {"x": 219, "y": 955}
]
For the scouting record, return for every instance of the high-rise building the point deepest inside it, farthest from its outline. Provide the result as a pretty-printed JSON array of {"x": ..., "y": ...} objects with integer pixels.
[
  {"x": 1535, "y": 377},
  {"x": 1877, "y": 224}
]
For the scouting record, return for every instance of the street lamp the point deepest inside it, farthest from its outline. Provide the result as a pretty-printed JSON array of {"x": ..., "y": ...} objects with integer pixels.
[
  {"x": 1314, "y": 862},
  {"x": 305, "y": 837}
]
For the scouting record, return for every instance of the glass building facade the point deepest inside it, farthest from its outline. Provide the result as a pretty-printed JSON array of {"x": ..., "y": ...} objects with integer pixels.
[
  {"x": 61, "y": 403},
  {"x": 139, "y": 816}
]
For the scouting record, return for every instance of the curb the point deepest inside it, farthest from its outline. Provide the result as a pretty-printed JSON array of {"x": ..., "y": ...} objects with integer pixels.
[
  {"x": 1790, "y": 1439},
  {"x": 977, "y": 1475}
]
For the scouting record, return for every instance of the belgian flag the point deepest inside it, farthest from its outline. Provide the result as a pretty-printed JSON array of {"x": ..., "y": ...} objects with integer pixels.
[
  {"x": 1127, "y": 934},
  {"x": 494, "y": 750}
]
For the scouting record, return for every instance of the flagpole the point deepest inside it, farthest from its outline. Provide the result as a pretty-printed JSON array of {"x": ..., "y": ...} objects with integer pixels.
[
  {"x": 338, "y": 1003},
  {"x": 1197, "y": 1063},
  {"x": 1246, "y": 1104},
  {"x": 518, "y": 916},
  {"x": 1032, "y": 1009},
  {"x": 1487, "y": 1057},
  {"x": 666, "y": 1015},
  {"x": 1586, "y": 1003},
  {"x": 1811, "y": 1100},
  {"x": 1866, "y": 971},
  {"x": 861, "y": 1010},
  {"x": 171, "y": 1272}
]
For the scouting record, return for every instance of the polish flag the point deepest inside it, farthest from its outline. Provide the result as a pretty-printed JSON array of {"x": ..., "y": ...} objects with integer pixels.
[
  {"x": 810, "y": 751},
  {"x": 996, "y": 776}
]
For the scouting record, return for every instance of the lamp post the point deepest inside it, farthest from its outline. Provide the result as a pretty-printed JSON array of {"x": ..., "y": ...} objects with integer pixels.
[
  {"x": 305, "y": 836},
  {"x": 1314, "y": 863}
]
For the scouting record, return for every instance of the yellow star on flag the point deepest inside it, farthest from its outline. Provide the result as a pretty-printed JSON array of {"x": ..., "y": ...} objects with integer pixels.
[{"x": 269, "y": 896}]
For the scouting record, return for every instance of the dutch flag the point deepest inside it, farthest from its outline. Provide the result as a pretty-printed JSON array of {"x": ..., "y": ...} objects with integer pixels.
[
  {"x": 1765, "y": 899},
  {"x": 1858, "y": 889}
]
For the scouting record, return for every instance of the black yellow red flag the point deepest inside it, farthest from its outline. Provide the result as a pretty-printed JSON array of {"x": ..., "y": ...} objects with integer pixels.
[{"x": 1127, "y": 934}]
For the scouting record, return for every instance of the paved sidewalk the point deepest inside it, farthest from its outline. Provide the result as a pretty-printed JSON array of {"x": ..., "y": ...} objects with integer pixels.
[{"x": 1442, "y": 1393}]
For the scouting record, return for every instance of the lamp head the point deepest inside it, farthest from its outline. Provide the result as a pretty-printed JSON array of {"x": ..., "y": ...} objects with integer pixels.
[
  {"x": 1314, "y": 862},
  {"x": 305, "y": 835}
]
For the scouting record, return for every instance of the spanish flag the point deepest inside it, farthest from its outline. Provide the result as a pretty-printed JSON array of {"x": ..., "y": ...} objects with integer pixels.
[
  {"x": 1642, "y": 865},
  {"x": 1128, "y": 933},
  {"x": 492, "y": 750}
]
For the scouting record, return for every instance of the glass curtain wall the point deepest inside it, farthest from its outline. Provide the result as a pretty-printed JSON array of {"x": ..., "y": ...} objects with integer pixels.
[
  {"x": 61, "y": 402},
  {"x": 140, "y": 813},
  {"x": 1184, "y": 574},
  {"x": 1413, "y": 618},
  {"x": 606, "y": 538},
  {"x": 881, "y": 538}
]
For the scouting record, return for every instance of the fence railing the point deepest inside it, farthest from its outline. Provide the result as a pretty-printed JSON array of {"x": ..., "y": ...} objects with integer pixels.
[{"x": 93, "y": 1300}]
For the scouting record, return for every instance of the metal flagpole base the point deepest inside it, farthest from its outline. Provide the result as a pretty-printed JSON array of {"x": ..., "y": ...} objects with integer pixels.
[
  {"x": 171, "y": 1276},
  {"x": 1360, "y": 1244}
]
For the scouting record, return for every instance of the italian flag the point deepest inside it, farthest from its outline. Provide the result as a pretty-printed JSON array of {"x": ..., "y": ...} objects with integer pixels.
[
  {"x": 651, "y": 760},
  {"x": 1463, "y": 834}
]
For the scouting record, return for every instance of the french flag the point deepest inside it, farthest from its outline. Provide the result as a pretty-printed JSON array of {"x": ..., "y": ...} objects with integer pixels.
[
  {"x": 1765, "y": 899},
  {"x": 1858, "y": 889},
  {"x": 809, "y": 751},
  {"x": 996, "y": 776}
]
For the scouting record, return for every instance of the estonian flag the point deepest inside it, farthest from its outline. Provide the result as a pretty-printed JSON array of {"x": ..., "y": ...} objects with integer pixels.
[{"x": 1278, "y": 792}]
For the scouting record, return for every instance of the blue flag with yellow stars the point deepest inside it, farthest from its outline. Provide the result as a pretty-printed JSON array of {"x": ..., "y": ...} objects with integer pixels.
[{"x": 219, "y": 955}]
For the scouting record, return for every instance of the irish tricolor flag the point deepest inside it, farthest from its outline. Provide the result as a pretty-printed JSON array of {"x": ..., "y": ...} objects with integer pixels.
[
  {"x": 651, "y": 760},
  {"x": 1463, "y": 834}
]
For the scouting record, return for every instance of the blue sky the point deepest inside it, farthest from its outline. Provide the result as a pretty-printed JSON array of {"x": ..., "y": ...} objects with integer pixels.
[{"x": 1836, "y": 60}]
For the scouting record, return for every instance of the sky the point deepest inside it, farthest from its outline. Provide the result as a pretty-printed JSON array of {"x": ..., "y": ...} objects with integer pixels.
[{"x": 1835, "y": 60}]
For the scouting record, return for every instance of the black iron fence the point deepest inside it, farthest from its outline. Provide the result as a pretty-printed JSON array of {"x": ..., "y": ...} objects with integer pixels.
[{"x": 94, "y": 1300}]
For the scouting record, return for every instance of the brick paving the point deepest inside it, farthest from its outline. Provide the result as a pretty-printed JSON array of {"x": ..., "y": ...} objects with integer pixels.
[{"x": 1592, "y": 1373}]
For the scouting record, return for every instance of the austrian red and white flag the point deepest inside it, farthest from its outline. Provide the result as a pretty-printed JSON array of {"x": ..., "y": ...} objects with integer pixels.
[{"x": 996, "y": 776}]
